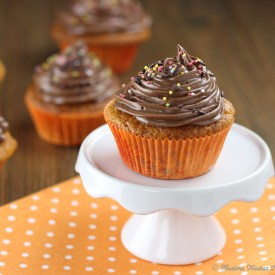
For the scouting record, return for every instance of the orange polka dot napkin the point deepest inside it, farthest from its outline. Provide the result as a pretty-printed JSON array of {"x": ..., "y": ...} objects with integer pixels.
[{"x": 61, "y": 230}]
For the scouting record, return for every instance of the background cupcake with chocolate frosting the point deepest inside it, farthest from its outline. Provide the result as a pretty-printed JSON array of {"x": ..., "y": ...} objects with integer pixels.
[
  {"x": 171, "y": 120},
  {"x": 68, "y": 94},
  {"x": 113, "y": 29}
]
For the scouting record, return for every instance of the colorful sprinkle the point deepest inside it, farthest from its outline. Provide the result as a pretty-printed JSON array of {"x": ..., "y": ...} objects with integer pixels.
[
  {"x": 182, "y": 73},
  {"x": 146, "y": 67},
  {"x": 45, "y": 66},
  {"x": 153, "y": 74},
  {"x": 184, "y": 55},
  {"x": 122, "y": 95},
  {"x": 167, "y": 104},
  {"x": 160, "y": 68},
  {"x": 199, "y": 71},
  {"x": 170, "y": 92},
  {"x": 164, "y": 98},
  {"x": 178, "y": 84},
  {"x": 75, "y": 74},
  {"x": 202, "y": 90},
  {"x": 132, "y": 78},
  {"x": 188, "y": 88},
  {"x": 123, "y": 85},
  {"x": 154, "y": 69}
]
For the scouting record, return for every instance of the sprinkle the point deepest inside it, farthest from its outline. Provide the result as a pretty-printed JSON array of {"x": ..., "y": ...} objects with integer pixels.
[
  {"x": 202, "y": 90},
  {"x": 199, "y": 66},
  {"x": 178, "y": 84},
  {"x": 191, "y": 63},
  {"x": 164, "y": 98},
  {"x": 182, "y": 73},
  {"x": 199, "y": 71},
  {"x": 122, "y": 95},
  {"x": 156, "y": 65},
  {"x": 191, "y": 94},
  {"x": 153, "y": 74},
  {"x": 75, "y": 74},
  {"x": 123, "y": 85},
  {"x": 188, "y": 88},
  {"x": 142, "y": 76},
  {"x": 170, "y": 92},
  {"x": 160, "y": 68},
  {"x": 45, "y": 66},
  {"x": 180, "y": 52},
  {"x": 146, "y": 67},
  {"x": 154, "y": 69},
  {"x": 167, "y": 104},
  {"x": 184, "y": 55},
  {"x": 132, "y": 78},
  {"x": 96, "y": 62},
  {"x": 170, "y": 67},
  {"x": 55, "y": 79}
]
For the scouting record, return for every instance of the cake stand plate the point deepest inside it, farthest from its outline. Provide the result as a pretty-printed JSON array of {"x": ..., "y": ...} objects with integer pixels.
[{"x": 173, "y": 222}]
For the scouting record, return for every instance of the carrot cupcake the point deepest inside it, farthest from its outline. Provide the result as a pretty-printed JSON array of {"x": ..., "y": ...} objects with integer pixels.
[
  {"x": 113, "y": 29},
  {"x": 7, "y": 143},
  {"x": 171, "y": 120},
  {"x": 68, "y": 95}
]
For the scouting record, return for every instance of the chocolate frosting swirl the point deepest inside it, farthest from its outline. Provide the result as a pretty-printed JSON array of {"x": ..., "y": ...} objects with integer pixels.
[
  {"x": 104, "y": 16},
  {"x": 4, "y": 127},
  {"x": 74, "y": 76},
  {"x": 173, "y": 92}
]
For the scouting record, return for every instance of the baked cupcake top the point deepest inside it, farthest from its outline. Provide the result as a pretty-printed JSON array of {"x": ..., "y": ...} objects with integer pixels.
[
  {"x": 104, "y": 16},
  {"x": 74, "y": 76},
  {"x": 173, "y": 92},
  {"x": 4, "y": 127}
]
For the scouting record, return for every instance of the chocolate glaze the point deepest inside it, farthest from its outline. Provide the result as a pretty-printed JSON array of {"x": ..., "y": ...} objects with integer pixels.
[
  {"x": 173, "y": 92},
  {"x": 4, "y": 127},
  {"x": 104, "y": 16},
  {"x": 74, "y": 76}
]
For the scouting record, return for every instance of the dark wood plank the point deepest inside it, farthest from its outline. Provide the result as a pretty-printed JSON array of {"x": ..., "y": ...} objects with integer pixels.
[{"x": 235, "y": 38}]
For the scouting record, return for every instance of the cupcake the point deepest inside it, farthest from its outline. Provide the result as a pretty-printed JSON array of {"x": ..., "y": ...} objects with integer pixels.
[
  {"x": 171, "y": 120},
  {"x": 68, "y": 95},
  {"x": 7, "y": 143},
  {"x": 113, "y": 29}
]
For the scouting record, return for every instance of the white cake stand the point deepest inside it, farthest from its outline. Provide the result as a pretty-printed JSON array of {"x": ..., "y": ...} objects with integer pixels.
[{"x": 173, "y": 223}]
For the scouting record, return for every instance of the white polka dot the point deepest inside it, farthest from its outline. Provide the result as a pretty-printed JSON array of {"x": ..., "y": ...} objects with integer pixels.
[
  {"x": 56, "y": 189},
  {"x": 236, "y": 231},
  {"x": 27, "y": 244},
  {"x": 242, "y": 264},
  {"x": 262, "y": 252},
  {"x": 272, "y": 208},
  {"x": 238, "y": 241},
  {"x": 244, "y": 273},
  {"x": 53, "y": 210},
  {"x": 11, "y": 218},
  {"x": 255, "y": 220},
  {"x": 91, "y": 237},
  {"x": 260, "y": 245},
  {"x": 253, "y": 209},
  {"x": 113, "y": 228},
  {"x": 260, "y": 238},
  {"x": 25, "y": 254},
  {"x": 4, "y": 252},
  {"x": 69, "y": 246},
  {"x": 35, "y": 198},
  {"x": 66, "y": 267},
  {"x": 273, "y": 218},
  {"x": 68, "y": 257},
  {"x": 6, "y": 241},
  {"x": 48, "y": 245},
  {"x": 111, "y": 259},
  {"x": 112, "y": 238},
  {"x": 133, "y": 271},
  {"x": 23, "y": 265},
  {"x": 93, "y": 216},
  {"x": 113, "y": 218},
  {"x": 241, "y": 257},
  {"x": 73, "y": 213},
  {"x": 271, "y": 197},
  {"x": 233, "y": 210},
  {"x": 220, "y": 270},
  {"x": 155, "y": 272},
  {"x": 199, "y": 272},
  {"x": 13, "y": 206},
  {"x": 90, "y": 247},
  {"x": 89, "y": 268},
  {"x": 46, "y": 256},
  {"x": 269, "y": 186},
  {"x": 70, "y": 236},
  {"x": 75, "y": 191},
  {"x": 76, "y": 181},
  {"x": 74, "y": 203},
  {"x": 111, "y": 270},
  {"x": 50, "y": 234},
  {"x": 235, "y": 221},
  {"x": 177, "y": 273},
  {"x": 45, "y": 266},
  {"x": 111, "y": 248},
  {"x": 94, "y": 205},
  {"x": 29, "y": 232},
  {"x": 239, "y": 250},
  {"x": 8, "y": 229},
  {"x": 133, "y": 261},
  {"x": 90, "y": 258},
  {"x": 114, "y": 207},
  {"x": 219, "y": 261},
  {"x": 72, "y": 224},
  {"x": 257, "y": 229},
  {"x": 2, "y": 263},
  {"x": 33, "y": 207},
  {"x": 55, "y": 200},
  {"x": 31, "y": 220},
  {"x": 51, "y": 222},
  {"x": 92, "y": 226},
  {"x": 264, "y": 259}
]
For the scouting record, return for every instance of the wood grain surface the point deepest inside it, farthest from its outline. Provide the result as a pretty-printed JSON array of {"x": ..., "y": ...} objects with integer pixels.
[{"x": 235, "y": 38}]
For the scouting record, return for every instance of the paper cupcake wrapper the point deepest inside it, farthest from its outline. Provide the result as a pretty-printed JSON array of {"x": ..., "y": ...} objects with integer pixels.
[
  {"x": 169, "y": 159},
  {"x": 63, "y": 129}
]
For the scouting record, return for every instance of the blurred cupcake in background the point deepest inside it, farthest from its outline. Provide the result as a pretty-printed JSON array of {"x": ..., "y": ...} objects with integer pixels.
[
  {"x": 68, "y": 94},
  {"x": 113, "y": 29},
  {"x": 7, "y": 143}
]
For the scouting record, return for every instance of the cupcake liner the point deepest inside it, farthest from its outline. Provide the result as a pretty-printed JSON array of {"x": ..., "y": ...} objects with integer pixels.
[
  {"x": 68, "y": 129},
  {"x": 118, "y": 57},
  {"x": 7, "y": 148},
  {"x": 169, "y": 159}
]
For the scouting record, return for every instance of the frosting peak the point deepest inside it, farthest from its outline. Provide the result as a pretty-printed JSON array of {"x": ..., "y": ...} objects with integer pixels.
[
  {"x": 104, "y": 16},
  {"x": 173, "y": 92},
  {"x": 74, "y": 76}
]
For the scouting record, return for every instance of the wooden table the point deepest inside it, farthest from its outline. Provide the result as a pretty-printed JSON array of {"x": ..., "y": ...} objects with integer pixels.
[{"x": 235, "y": 38}]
